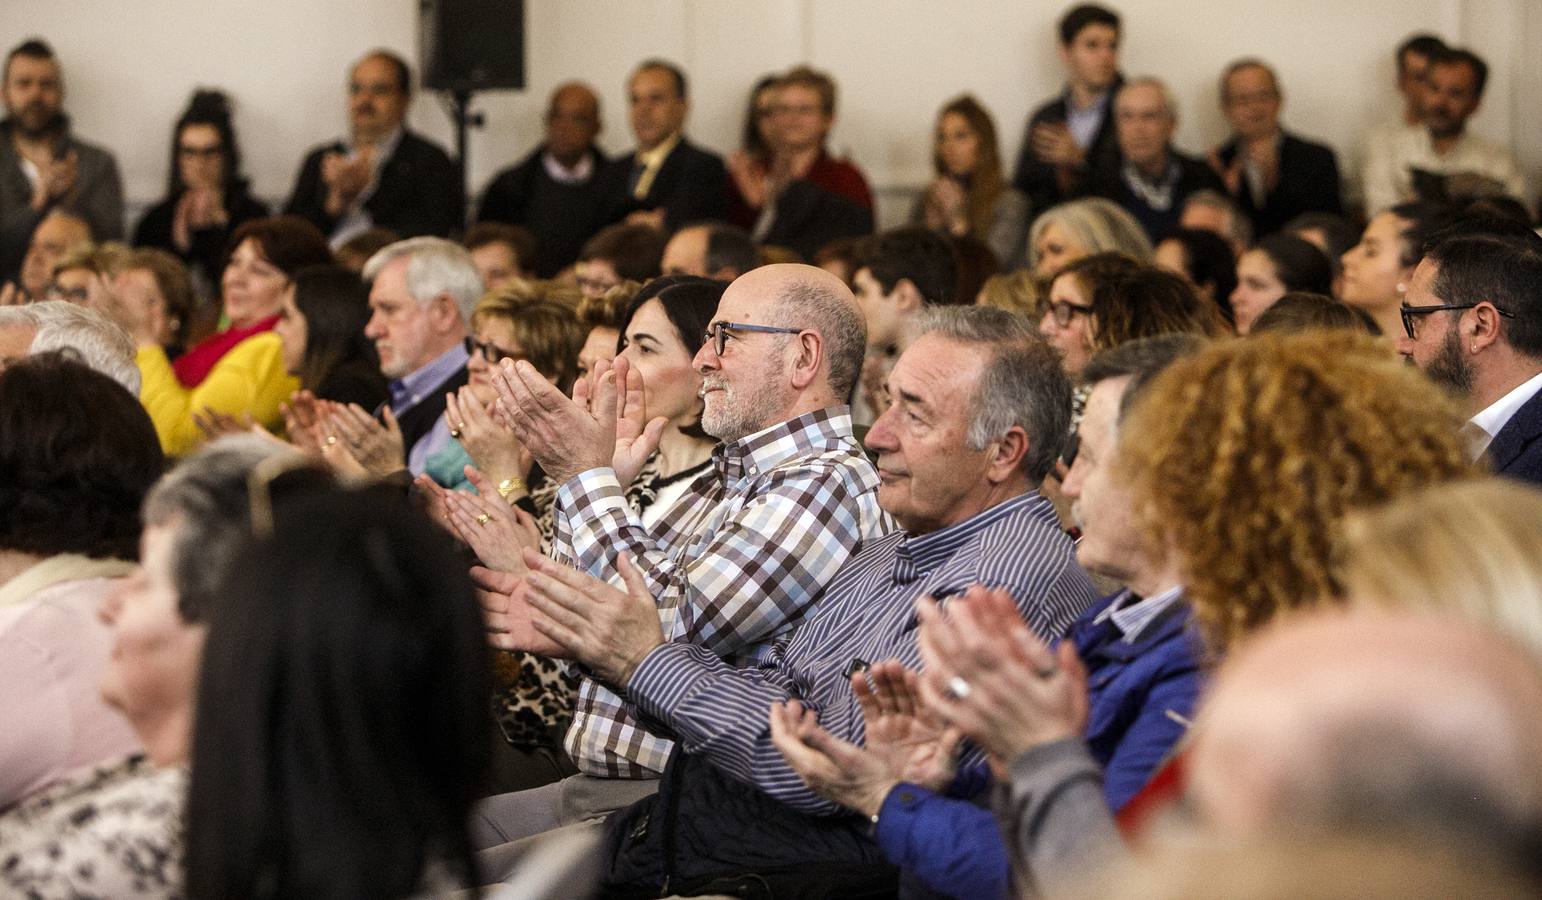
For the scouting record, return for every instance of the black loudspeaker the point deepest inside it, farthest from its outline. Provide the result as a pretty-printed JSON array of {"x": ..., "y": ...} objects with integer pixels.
[{"x": 472, "y": 45}]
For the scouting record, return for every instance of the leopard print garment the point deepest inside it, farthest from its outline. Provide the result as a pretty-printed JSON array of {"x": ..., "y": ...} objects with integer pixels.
[
  {"x": 533, "y": 696},
  {"x": 111, "y": 831}
]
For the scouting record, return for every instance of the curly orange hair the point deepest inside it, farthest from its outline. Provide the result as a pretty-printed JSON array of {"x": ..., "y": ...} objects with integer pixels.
[{"x": 1245, "y": 457}]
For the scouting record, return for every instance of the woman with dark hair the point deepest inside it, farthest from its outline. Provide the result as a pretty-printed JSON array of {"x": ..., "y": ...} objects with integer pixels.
[
  {"x": 321, "y": 326},
  {"x": 969, "y": 196},
  {"x": 347, "y": 657},
  {"x": 206, "y": 195},
  {"x": 1300, "y": 311},
  {"x": 750, "y": 165},
  {"x": 78, "y": 453},
  {"x": 1205, "y": 259},
  {"x": 1277, "y": 265},
  {"x": 661, "y": 330},
  {"x": 1377, "y": 270},
  {"x": 239, "y": 371},
  {"x": 1107, "y": 299},
  {"x": 116, "y": 829}
]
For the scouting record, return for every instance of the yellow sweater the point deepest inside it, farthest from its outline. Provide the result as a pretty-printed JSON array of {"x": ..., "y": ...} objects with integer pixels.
[{"x": 249, "y": 379}]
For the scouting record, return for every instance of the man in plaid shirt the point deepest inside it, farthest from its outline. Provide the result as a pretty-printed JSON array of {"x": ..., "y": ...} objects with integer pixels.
[{"x": 742, "y": 557}]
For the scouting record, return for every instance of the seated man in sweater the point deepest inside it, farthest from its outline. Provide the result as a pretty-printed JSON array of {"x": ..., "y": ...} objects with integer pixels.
[
  {"x": 1150, "y": 179},
  {"x": 556, "y": 190}
]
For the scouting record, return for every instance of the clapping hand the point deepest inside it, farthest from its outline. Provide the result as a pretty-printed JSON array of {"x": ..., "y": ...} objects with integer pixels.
[{"x": 989, "y": 676}]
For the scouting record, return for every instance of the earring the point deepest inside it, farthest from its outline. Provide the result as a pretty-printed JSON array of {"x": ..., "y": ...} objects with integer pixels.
[{"x": 1402, "y": 288}]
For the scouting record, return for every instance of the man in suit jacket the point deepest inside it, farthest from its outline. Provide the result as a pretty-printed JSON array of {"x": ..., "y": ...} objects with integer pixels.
[
  {"x": 1072, "y": 136},
  {"x": 1273, "y": 176},
  {"x": 1150, "y": 178},
  {"x": 1474, "y": 323},
  {"x": 384, "y": 176},
  {"x": 667, "y": 180}
]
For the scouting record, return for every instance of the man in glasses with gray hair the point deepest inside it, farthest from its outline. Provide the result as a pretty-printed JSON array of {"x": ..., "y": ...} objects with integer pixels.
[{"x": 741, "y": 557}]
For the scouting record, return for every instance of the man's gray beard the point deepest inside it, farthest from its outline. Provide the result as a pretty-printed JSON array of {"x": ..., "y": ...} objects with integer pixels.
[
  {"x": 1448, "y": 369},
  {"x": 737, "y": 417}
]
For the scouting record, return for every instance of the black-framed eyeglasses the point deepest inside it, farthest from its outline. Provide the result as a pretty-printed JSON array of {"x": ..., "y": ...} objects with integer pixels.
[
  {"x": 1409, "y": 314},
  {"x": 718, "y": 332},
  {"x": 1064, "y": 312},
  {"x": 490, "y": 351}
]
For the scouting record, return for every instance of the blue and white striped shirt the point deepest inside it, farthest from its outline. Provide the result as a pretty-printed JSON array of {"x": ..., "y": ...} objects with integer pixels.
[{"x": 866, "y": 616}]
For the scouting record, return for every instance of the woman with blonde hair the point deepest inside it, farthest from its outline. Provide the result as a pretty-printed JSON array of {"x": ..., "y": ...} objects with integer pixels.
[
  {"x": 1471, "y": 550},
  {"x": 969, "y": 196},
  {"x": 1070, "y": 231}
]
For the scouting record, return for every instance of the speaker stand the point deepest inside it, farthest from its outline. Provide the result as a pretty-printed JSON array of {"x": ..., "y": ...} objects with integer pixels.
[{"x": 459, "y": 104}]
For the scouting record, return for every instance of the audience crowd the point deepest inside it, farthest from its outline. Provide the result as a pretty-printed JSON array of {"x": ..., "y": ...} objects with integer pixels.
[{"x": 1134, "y": 522}]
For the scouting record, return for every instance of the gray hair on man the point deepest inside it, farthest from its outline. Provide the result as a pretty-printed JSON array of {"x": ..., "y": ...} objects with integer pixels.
[
  {"x": 1169, "y": 102},
  {"x": 839, "y": 321},
  {"x": 434, "y": 266},
  {"x": 1023, "y": 384},
  {"x": 93, "y": 339},
  {"x": 208, "y": 495}
]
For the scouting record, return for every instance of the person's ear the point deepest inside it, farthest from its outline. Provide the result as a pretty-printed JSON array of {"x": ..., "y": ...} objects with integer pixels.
[
  {"x": 810, "y": 358},
  {"x": 1007, "y": 454},
  {"x": 907, "y": 297}
]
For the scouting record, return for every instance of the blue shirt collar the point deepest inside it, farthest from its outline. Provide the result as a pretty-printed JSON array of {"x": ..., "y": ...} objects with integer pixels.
[{"x": 412, "y": 388}]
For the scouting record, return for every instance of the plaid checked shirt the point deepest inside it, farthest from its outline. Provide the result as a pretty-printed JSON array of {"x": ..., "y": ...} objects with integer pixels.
[{"x": 737, "y": 561}]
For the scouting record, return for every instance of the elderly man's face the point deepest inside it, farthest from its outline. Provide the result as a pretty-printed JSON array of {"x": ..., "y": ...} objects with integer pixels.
[
  {"x": 1144, "y": 125},
  {"x": 745, "y": 388},
  {"x": 1101, "y": 504},
  {"x": 1252, "y": 102},
  {"x": 399, "y": 326},
  {"x": 928, "y": 478},
  {"x": 53, "y": 237}
]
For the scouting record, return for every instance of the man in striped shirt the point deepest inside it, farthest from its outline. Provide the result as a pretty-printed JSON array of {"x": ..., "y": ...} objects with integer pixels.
[
  {"x": 741, "y": 557},
  {"x": 979, "y": 412}
]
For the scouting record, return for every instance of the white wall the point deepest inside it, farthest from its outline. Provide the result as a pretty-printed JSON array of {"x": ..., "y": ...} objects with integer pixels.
[{"x": 130, "y": 67}]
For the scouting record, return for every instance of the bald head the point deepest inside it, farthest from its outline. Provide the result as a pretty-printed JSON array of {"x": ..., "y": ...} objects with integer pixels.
[
  {"x": 1368, "y": 718},
  {"x": 766, "y": 377},
  {"x": 53, "y": 237},
  {"x": 572, "y": 122}
]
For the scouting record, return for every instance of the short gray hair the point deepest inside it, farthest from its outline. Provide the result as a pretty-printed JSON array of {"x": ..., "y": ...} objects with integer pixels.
[
  {"x": 1169, "y": 102},
  {"x": 1097, "y": 223},
  {"x": 1022, "y": 385},
  {"x": 1241, "y": 230},
  {"x": 434, "y": 266},
  {"x": 813, "y": 305},
  {"x": 90, "y": 337},
  {"x": 208, "y": 494}
]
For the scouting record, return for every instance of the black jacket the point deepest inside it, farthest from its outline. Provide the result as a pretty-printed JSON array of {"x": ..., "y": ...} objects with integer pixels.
[
  {"x": 419, "y": 192},
  {"x": 1037, "y": 179},
  {"x": 1309, "y": 182},
  {"x": 691, "y": 186},
  {"x": 562, "y": 216},
  {"x": 1516, "y": 451},
  {"x": 206, "y": 252}
]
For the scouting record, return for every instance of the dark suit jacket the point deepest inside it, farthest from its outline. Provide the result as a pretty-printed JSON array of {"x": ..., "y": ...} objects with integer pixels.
[
  {"x": 1037, "y": 179},
  {"x": 1516, "y": 451},
  {"x": 419, "y": 193},
  {"x": 1193, "y": 175},
  {"x": 1309, "y": 182},
  {"x": 809, "y": 217},
  {"x": 691, "y": 186}
]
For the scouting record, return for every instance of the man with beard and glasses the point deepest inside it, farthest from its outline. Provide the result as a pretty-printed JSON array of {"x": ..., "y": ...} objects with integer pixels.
[
  {"x": 1472, "y": 319},
  {"x": 43, "y": 167},
  {"x": 739, "y": 559}
]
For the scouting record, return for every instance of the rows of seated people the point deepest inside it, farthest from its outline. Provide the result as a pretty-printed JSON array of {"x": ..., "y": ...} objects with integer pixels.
[{"x": 734, "y": 550}]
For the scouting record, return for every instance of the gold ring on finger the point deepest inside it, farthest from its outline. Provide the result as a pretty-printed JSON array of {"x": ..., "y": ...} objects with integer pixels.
[{"x": 483, "y": 518}]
